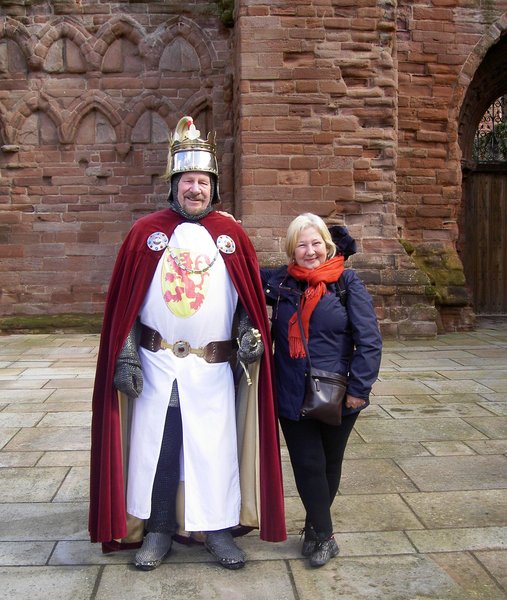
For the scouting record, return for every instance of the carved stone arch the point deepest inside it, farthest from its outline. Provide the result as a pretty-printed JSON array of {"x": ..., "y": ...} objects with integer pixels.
[
  {"x": 149, "y": 101},
  {"x": 199, "y": 107},
  {"x": 31, "y": 104},
  {"x": 17, "y": 32},
  {"x": 95, "y": 128},
  {"x": 148, "y": 119},
  {"x": 192, "y": 35},
  {"x": 118, "y": 27},
  {"x": 63, "y": 29},
  {"x": 486, "y": 77},
  {"x": 94, "y": 100},
  {"x": 180, "y": 56}
]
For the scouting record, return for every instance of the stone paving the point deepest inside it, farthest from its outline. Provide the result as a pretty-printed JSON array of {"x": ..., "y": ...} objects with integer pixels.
[{"x": 422, "y": 509}]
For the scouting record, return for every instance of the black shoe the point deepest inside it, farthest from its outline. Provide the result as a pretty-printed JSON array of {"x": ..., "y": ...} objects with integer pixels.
[
  {"x": 324, "y": 550},
  {"x": 309, "y": 541},
  {"x": 222, "y": 546},
  {"x": 154, "y": 548}
]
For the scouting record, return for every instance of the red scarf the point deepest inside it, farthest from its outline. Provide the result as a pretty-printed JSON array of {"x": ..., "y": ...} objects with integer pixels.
[{"x": 328, "y": 272}]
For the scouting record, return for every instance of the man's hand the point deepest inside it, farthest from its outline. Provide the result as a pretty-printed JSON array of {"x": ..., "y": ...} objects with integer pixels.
[
  {"x": 251, "y": 346},
  {"x": 128, "y": 378}
]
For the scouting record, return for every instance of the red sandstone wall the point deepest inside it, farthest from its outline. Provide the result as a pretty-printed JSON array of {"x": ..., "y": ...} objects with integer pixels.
[
  {"x": 352, "y": 111},
  {"x": 439, "y": 46},
  {"x": 87, "y": 99},
  {"x": 346, "y": 108},
  {"x": 317, "y": 124},
  {"x": 317, "y": 118}
]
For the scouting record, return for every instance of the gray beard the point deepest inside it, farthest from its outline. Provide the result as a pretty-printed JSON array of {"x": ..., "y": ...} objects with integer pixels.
[{"x": 181, "y": 211}]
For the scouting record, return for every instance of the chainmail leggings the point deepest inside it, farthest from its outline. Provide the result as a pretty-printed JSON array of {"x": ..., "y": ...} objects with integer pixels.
[
  {"x": 165, "y": 486},
  {"x": 316, "y": 452}
]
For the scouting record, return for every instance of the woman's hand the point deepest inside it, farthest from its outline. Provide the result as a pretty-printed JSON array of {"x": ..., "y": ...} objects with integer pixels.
[{"x": 353, "y": 402}]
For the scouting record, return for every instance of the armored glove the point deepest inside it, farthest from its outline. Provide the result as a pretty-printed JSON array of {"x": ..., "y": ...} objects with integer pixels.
[
  {"x": 250, "y": 343},
  {"x": 128, "y": 376}
]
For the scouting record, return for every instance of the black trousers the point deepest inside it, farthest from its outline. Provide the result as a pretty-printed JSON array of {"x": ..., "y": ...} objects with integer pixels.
[
  {"x": 163, "y": 498},
  {"x": 316, "y": 453}
]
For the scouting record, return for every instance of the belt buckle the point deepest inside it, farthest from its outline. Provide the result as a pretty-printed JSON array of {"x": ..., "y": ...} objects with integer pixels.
[{"x": 181, "y": 349}]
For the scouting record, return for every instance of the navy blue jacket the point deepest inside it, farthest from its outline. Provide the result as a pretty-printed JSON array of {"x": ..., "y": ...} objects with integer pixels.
[{"x": 343, "y": 339}]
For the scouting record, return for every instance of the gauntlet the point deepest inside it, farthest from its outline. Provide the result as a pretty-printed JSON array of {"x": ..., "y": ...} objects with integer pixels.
[
  {"x": 250, "y": 345},
  {"x": 128, "y": 376}
]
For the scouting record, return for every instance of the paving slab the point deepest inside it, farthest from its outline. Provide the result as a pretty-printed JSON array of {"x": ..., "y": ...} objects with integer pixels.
[
  {"x": 49, "y": 406},
  {"x": 497, "y": 408},
  {"x": 374, "y": 476},
  {"x": 421, "y": 512},
  {"x": 75, "y": 487},
  {"x": 67, "y": 419},
  {"x": 14, "y": 554},
  {"x": 19, "y": 459},
  {"x": 385, "y": 450},
  {"x": 257, "y": 581},
  {"x": 372, "y": 512},
  {"x": 38, "y": 484},
  {"x": 458, "y": 398},
  {"x": 476, "y": 581},
  {"x": 24, "y": 419},
  {"x": 42, "y": 583},
  {"x": 50, "y": 438},
  {"x": 468, "y": 472},
  {"x": 447, "y": 448},
  {"x": 65, "y": 458},
  {"x": 417, "y": 430},
  {"x": 476, "y": 508},
  {"x": 463, "y": 539},
  {"x": 423, "y": 411},
  {"x": 489, "y": 446},
  {"x": 43, "y": 521},
  {"x": 6, "y": 434},
  {"x": 465, "y": 386},
  {"x": 496, "y": 397},
  {"x": 494, "y": 427},
  {"x": 19, "y": 396},
  {"x": 494, "y": 561},
  {"x": 405, "y": 577}
]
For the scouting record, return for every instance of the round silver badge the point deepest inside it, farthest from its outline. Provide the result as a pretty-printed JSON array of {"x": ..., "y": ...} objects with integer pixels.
[
  {"x": 226, "y": 244},
  {"x": 157, "y": 241}
]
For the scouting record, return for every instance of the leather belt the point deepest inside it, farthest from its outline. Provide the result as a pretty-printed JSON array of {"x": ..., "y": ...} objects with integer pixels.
[{"x": 213, "y": 352}]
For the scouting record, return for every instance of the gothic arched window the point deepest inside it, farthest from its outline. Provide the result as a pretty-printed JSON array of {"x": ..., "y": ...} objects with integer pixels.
[{"x": 490, "y": 141}]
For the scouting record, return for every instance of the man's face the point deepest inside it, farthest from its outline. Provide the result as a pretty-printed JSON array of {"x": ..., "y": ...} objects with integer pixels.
[{"x": 194, "y": 192}]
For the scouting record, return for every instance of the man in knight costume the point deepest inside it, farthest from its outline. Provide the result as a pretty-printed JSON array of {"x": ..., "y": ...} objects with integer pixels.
[{"x": 179, "y": 448}]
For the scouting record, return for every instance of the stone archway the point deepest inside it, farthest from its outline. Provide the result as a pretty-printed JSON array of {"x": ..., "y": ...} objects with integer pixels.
[{"x": 482, "y": 241}]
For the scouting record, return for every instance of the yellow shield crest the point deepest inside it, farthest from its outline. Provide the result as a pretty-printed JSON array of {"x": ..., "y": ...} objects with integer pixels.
[{"x": 185, "y": 280}]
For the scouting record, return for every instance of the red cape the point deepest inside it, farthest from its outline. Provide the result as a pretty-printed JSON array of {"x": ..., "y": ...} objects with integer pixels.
[{"x": 132, "y": 275}]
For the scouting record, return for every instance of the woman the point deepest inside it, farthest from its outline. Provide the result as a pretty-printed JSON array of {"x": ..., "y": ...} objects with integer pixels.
[{"x": 340, "y": 325}]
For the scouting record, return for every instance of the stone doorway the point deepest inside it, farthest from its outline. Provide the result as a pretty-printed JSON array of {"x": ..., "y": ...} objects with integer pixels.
[{"x": 482, "y": 242}]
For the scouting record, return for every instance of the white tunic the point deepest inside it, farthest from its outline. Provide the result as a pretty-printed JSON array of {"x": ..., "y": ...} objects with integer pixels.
[{"x": 197, "y": 307}]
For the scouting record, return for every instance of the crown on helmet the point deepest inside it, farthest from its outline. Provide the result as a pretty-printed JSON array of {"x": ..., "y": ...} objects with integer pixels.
[{"x": 188, "y": 152}]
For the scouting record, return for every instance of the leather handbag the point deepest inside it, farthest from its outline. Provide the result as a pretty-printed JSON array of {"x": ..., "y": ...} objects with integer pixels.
[
  {"x": 324, "y": 391},
  {"x": 324, "y": 394}
]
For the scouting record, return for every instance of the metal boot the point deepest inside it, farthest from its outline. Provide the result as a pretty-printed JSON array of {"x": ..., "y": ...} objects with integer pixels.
[
  {"x": 222, "y": 546},
  {"x": 154, "y": 548}
]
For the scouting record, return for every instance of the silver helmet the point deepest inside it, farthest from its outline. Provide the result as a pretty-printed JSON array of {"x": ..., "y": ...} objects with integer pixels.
[{"x": 187, "y": 152}]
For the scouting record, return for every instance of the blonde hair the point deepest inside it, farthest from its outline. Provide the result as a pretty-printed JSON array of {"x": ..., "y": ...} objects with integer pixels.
[{"x": 299, "y": 224}]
